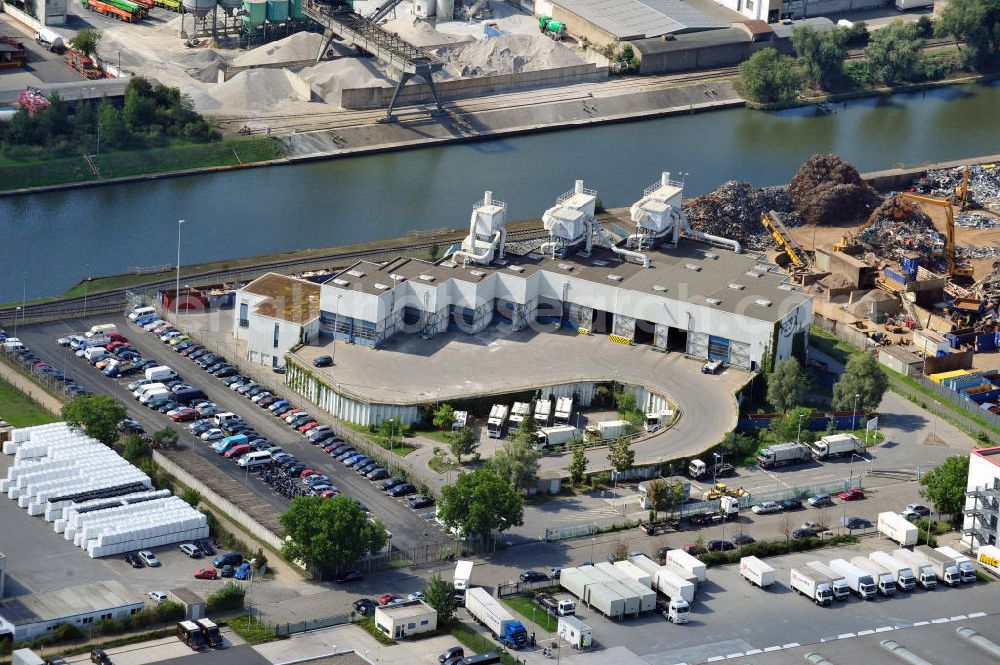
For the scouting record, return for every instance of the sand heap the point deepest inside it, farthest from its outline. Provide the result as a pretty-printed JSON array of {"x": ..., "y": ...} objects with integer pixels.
[
  {"x": 508, "y": 54},
  {"x": 420, "y": 33},
  {"x": 252, "y": 90},
  {"x": 329, "y": 78},
  {"x": 300, "y": 46}
]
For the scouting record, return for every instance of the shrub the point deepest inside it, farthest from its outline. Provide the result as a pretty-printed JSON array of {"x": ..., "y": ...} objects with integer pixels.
[
  {"x": 166, "y": 611},
  {"x": 229, "y": 597}
]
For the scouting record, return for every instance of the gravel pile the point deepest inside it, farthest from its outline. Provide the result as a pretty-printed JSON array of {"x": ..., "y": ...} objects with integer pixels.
[
  {"x": 329, "y": 78},
  {"x": 508, "y": 54},
  {"x": 300, "y": 46},
  {"x": 734, "y": 209},
  {"x": 423, "y": 34},
  {"x": 829, "y": 191},
  {"x": 252, "y": 90}
]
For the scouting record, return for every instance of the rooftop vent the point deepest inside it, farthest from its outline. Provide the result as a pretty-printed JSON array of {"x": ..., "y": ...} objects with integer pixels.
[
  {"x": 380, "y": 286},
  {"x": 566, "y": 266},
  {"x": 713, "y": 301},
  {"x": 340, "y": 282},
  {"x": 428, "y": 278},
  {"x": 601, "y": 263},
  {"x": 500, "y": 262},
  {"x": 692, "y": 266},
  {"x": 355, "y": 273},
  {"x": 516, "y": 268},
  {"x": 534, "y": 255},
  {"x": 615, "y": 278},
  {"x": 659, "y": 287},
  {"x": 449, "y": 264},
  {"x": 711, "y": 255},
  {"x": 397, "y": 278},
  {"x": 477, "y": 273},
  {"x": 754, "y": 273},
  {"x": 786, "y": 287},
  {"x": 737, "y": 287},
  {"x": 763, "y": 302}
]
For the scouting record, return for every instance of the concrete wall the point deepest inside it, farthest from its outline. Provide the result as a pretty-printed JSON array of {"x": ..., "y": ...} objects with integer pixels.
[
  {"x": 229, "y": 72},
  {"x": 699, "y": 57},
  {"x": 22, "y": 17},
  {"x": 378, "y": 97}
]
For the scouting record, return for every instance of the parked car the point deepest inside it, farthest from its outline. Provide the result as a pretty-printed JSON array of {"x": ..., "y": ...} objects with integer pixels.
[
  {"x": 803, "y": 533},
  {"x": 389, "y": 484},
  {"x": 349, "y": 576},
  {"x": 365, "y": 606},
  {"x": 227, "y": 571},
  {"x": 322, "y": 361},
  {"x": 190, "y": 550},
  {"x": 388, "y": 599},
  {"x": 813, "y": 526},
  {"x": 918, "y": 508},
  {"x": 856, "y": 522},
  {"x": 791, "y": 504},
  {"x": 820, "y": 501},
  {"x": 742, "y": 539},
  {"x": 421, "y": 502},
  {"x": 213, "y": 434},
  {"x": 766, "y": 508},
  {"x": 205, "y": 546},
  {"x": 719, "y": 546},
  {"x": 99, "y": 657},
  {"x": 402, "y": 490},
  {"x": 377, "y": 474},
  {"x": 133, "y": 560},
  {"x": 157, "y": 596},
  {"x": 206, "y": 574},
  {"x": 149, "y": 558},
  {"x": 530, "y": 576},
  {"x": 851, "y": 495}
]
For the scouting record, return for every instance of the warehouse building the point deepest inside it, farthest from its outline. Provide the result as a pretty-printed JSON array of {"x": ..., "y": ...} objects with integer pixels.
[
  {"x": 28, "y": 617},
  {"x": 284, "y": 311},
  {"x": 982, "y": 503},
  {"x": 399, "y": 621},
  {"x": 604, "y": 22}
]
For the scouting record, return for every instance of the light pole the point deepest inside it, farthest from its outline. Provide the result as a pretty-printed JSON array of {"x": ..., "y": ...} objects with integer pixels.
[
  {"x": 17, "y": 313},
  {"x": 718, "y": 462},
  {"x": 177, "y": 285},
  {"x": 851, "y": 467},
  {"x": 798, "y": 435},
  {"x": 98, "y": 140},
  {"x": 854, "y": 414},
  {"x": 592, "y": 541}
]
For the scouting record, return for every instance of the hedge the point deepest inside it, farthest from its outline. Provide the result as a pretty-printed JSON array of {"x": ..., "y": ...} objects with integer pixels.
[
  {"x": 229, "y": 597},
  {"x": 774, "y": 548}
]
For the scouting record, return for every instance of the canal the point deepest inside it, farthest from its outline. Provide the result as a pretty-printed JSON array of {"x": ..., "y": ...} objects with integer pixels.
[{"x": 52, "y": 240}]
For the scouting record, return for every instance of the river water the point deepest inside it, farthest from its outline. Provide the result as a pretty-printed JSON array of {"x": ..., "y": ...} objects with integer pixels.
[{"x": 50, "y": 241}]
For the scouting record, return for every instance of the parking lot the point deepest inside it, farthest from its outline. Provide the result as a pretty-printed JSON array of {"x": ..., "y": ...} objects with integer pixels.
[{"x": 43, "y": 66}]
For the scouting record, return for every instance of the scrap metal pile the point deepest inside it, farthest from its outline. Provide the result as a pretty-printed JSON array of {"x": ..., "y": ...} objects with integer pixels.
[
  {"x": 984, "y": 184},
  {"x": 899, "y": 226},
  {"x": 829, "y": 191},
  {"x": 734, "y": 209}
]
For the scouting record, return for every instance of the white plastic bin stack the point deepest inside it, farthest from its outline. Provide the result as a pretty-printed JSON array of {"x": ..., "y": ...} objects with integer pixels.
[{"x": 62, "y": 473}]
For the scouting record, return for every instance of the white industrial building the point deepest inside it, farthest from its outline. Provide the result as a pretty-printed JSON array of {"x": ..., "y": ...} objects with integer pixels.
[
  {"x": 31, "y": 616},
  {"x": 399, "y": 621},
  {"x": 284, "y": 312},
  {"x": 982, "y": 503}
]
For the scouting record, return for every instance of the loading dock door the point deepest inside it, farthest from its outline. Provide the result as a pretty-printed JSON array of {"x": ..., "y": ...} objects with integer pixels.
[
  {"x": 677, "y": 339},
  {"x": 644, "y": 332},
  {"x": 602, "y": 322},
  {"x": 718, "y": 348}
]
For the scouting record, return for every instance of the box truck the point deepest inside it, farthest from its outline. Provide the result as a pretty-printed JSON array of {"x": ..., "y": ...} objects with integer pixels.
[
  {"x": 944, "y": 566},
  {"x": 496, "y": 424},
  {"x": 966, "y": 568},
  {"x": 664, "y": 580},
  {"x": 657, "y": 419},
  {"x": 518, "y": 413},
  {"x": 160, "y": 373},
  {"x": 489, "y": 612},
  {"x": 988, "y": 557},
  {"x": 783, "y": 454},
  {"x": 900, "y": 570},
  {"x": 811, "y": 585},
  {"x": 575, "y": 632},
  {"x": 904, "y": 5},
  {"x": 884, "y": 581},
  {"x": 463, "y": 574},
  {"x": 682, "y": 559},
  {"x": 564, "y": 409},
  {"x": 646, "y": 596},
  {"x": 553, "y": 436},
  {"x": 838, "y": 583},
  {"x": 859, "y": 581},
  {"x": 838, "y": 445},
  {"x": 593, "y": 589},
  {"x": 543, "y": 412},
  {"x": 924, "y": 572},
  {"x": 608, "y": 429},
  {"x": 756, "y": 571},
  {"x": 896, "y": 527}
]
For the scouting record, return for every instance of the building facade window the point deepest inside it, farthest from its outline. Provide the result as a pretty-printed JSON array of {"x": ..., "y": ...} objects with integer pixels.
[
  {"x": 277, "y": 333},
  {"x": 244, "y": 315}
]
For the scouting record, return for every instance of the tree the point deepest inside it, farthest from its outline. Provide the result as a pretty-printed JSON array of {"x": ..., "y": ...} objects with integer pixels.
[
  {"x": 578, "y": 465},
  {"x": 327, "y": 534},
  {"x": 975, "y": 22},
  {"x": 139, "y": 111},
  {"x": 769, "y": 77},
  {"x": 462, "y": 442},
  {"x": 821, "y": 54},
  {"x": 621, "y": 455},
  {"x": 788, "y": 428},
  {"x": 479, "y": 503},
  {"x": 863, "y": 377},
  {"x": 191, "y": 496},
  {"x": 389, "y": 429},
  {"x": 665, "y": 495},
  {"x": 444, "y": 417},
  {"x": 166, "y": 437},
  {"x": 944, "y": 485},
  {"x": 86, "y": 41},
  {"x": 893, "y": 52},
  {"x": 786, "y": 385},
  {"x": 440, "y": 595},
  {"x": 517, "y": 461},
  {"x": 526, "y": 430},
  {"x": 97, "y": 415},
  {"x": 135, "y": 449},
  {"x": 113, "y": 131}
]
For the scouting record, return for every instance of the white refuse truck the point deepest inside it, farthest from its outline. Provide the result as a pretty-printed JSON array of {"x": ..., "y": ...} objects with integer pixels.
[
  {"x": 682, "y": 559},
  {"x": 543, "y": 412},
  {"x": 859, "y": 581},
  {"x": 838, "y": 445},
  {"x": 884, "y": 580},
  {"x": 518, "y": 413},
  {"x": 900, "y": 570},
  {"x": 463, "y": 575},
  {"x": 575, "y": 632},
  {"x": 924, "y": 572},
  {"x": 811, "y": 585},
  {"x": 564, "y": 409},
  {"x": 988, "y": 556},
  {"x": 966, "y": 568},
  {"x": 838, "y": 583},
  {"x": 756, "y": 571},
  {"x": 496, "y": 425},
  {"x": 944, "y": 566},
  {"x": 896, "y": 527},
  {"x": 553, "y": 436}
]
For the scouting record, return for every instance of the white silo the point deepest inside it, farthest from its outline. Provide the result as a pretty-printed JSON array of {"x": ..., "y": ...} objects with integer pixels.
[{"x": 487, "y": 232}]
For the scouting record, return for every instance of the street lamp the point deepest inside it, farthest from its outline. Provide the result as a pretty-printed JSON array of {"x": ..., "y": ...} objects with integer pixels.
[
  {"x": 854, "y": 415},
  {"x": 17, "y": 313},
  {"x": 718, "y": 463},
  {"x": 798, "y": 435},
  {"x": 592, "y": 541},
  {"x": 851, "y": 468},
  {"x": 177, "y": 285}
]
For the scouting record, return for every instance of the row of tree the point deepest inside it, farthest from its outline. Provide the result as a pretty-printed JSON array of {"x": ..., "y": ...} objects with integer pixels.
[{"x": 861, "y": 386}]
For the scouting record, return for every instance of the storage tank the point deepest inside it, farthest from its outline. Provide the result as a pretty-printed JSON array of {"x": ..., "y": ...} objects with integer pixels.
[
  {"x": 198, "y": 7},
  {"x": 295, "y": 10},
  {"x": 277, "y": 11},
  {"x": 229, "y": 5},
  {"x": 256, "y": 13}
]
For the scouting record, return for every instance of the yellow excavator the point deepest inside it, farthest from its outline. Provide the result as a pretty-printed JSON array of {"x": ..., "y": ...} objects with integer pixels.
[
  {"x": 961, "y": 198},
  {"x": 954, "y": 269},
  {"x": 721, "y": 490},
  {"x": 784, "y": 239}
]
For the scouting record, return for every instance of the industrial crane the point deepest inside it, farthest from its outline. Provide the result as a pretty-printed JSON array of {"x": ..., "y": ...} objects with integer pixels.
[
  {"x": 773, "y": 224},
  {"x": 954, "y": 269}
]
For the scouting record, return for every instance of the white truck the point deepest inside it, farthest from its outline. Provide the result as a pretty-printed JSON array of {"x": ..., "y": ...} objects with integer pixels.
[
  {"x": 575, "y": 632},
  {"x": 518, "y": 412},
  {"x": 896, "y": 527},
  {"x": 553, "y": 436},
  {"x": 683, "y": 560},
  {"x": 904, "y": 5},
  {"x": 811, "y": 585},
  {"x": 783, "y": 454},
  {"x": 884, "y": 580},
  {"x": 53, "y": 41},
  {"x": 608, "y": 429},
  {"x": 564, "y": 409},
  {"x": 838, "y": 445},
  {"x": 543, "y": 412},
  {"x": 925, "y": 574},
  {"x": 657, "y": 419},
  {"x": 838, "y": 583},
  {"x": 859, "y": 581},
  {"x": 988, "y": 557},
  {"x": 463, "y": 575},
  {"x": 664, "y": 580},
  {"x": 900, "y": 570},
  {"x": 756, "y": 571},
  {"x": 491, "y": 613},
  {"x": 966, "y": 568},
  {"x": 944, "y": 566},
  {"x": 160, "y": 373},
  {"x": 497, "y": 422}
]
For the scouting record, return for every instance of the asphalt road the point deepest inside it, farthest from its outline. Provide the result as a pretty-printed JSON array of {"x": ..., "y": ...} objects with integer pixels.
[{"x": 407, "y": 527}]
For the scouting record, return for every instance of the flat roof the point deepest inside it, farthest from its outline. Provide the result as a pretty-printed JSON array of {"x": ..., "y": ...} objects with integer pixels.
[
  {"x": 784, "y": 29},
  {"x": 692, "y": 40},
  {"x": 693, "y": 272},
  {"x": 241, "y": 655},
  {"x": 637, "y": 19},
  {"x": 288, "y": 298},
  {"x": 97, "y": 89},
  {"x": 52, "y": 605},
  {"x": 989, "y": 454},
  {"x": 414, "y": 609},
  {"x": 901, "y": 353}
]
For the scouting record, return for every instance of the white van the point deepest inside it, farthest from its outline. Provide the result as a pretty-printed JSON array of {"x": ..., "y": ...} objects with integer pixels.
[
  {"x": 149, "y": 395},
  {"x": 222, "y": 419},
  {"x": 143, "y": 389},
  {"x": 254, "y": 460},
  {"x": 160, "y": 373},
  {"x": 102, "y": 329},
  {"x": 140, "y": 312}
]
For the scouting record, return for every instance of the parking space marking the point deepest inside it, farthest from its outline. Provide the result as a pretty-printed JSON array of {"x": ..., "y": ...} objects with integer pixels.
[
  {"x": 733, "y": 655},
  {"x": 945, "y": 620},
  {"x": 790, "y": 645},
  {"x": 960, "y": 617},
  {"x": 715, "y": 659},
  {"x": 885, "y": 629},
  {"x": 865, "y": 632},
  {"x": 976, "y": 615},
  {"x": 920, "y": 623},
  {"x": 770, "y": 649},
  {"x": 753, "y": 652},
  {"x": 844, "y": 636}
]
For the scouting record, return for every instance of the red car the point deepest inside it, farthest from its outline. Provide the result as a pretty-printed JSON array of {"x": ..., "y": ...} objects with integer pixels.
[
  {"x": 387, "y": 598},
  {"x": 307, "y": 426},
  {"x": 239, "y": 451},
  {"x": 851, "y": 495},
  {"x": 117, "y": 337},
  {"x": 326, "y": 494},
  {"x": 309, "y": 472},
  {"x": 184, "y": 415},
  {"x": 206, "y": 574}
]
